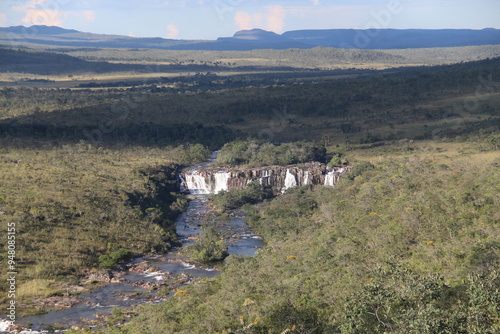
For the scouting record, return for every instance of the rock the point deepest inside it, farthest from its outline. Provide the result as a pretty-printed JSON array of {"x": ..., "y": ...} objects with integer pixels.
[
  {"x": 103, "y": 276},
  {"x": 278, "y": 177}
]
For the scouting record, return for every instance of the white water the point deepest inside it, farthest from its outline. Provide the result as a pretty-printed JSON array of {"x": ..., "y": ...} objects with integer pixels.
[
  {"x": 290, "y": 181},
  {"x": 197, "y": 184},
  {"x": 202, "y": 181},
  {"x": 330, "y": 179},
  {"x": 4, "y": 325},
  {"x": 221, "y": 181}
]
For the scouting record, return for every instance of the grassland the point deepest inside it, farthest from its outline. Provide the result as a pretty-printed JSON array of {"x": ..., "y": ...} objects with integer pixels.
[
  {"x": 410, "y": 245},
  {"x": 73, "y": 203},
  {"x": 85, "y": 172}
]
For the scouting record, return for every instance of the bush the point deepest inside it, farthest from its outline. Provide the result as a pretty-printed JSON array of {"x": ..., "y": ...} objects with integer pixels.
[
  {"x": 210, "y": 247},
  {"x": 359, "y": 169},
  {"x": 112, "y": 260},
  {"x": 337, "y": 160},
  {"x": 256, "y": 153},
  {"x": 234, "y": 198}
]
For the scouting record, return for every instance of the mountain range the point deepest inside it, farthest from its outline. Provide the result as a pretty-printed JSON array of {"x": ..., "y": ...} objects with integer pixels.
[{"x": 261, "y": 39}]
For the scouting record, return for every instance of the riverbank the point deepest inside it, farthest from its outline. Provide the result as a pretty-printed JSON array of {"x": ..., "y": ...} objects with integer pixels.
[{"x": 149, "y": 279}]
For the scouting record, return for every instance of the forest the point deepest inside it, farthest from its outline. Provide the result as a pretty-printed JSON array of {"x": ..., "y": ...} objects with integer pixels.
[{"x": 406, "y": 242}]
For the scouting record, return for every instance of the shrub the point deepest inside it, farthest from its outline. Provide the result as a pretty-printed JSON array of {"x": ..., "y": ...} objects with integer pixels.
[
  {"x": 113, "y": 259},
  {"x": 210, "y": 247},
  {"x": 256, "y": 153},
  {"x": 359, "y": 169},
  {"x": 235, "y": 198}
]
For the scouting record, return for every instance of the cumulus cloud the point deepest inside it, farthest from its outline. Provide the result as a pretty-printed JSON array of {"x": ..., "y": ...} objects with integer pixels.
[
  {"x": 3, "y": 20},
  {"x": 89, "y": 15},
  {"x": 48, "y": 17},
  {"x": 276, "y": 18},
  {"x": 272, "y": 19},
  {"x": 45, "y": 12},
  {"x": 173, "y": 31},
  {"x": 243, "y": 20}
]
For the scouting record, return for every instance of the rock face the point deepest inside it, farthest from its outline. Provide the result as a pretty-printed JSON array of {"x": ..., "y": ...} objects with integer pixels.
[{"x": 212, "y": 181}]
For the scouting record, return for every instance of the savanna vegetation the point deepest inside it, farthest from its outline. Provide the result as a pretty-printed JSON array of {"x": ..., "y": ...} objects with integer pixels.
[
  {"x": 405, "y": 243},
  {"x": 254, "y": 153},
  {"x": 425, "y": 103},
  {"x": 323, "y": 58},
  {"x": 79, "y": 207},
  {"x": 409, "y": 245},
  {"x": 234, "y": 198},
  {"x": 210, "y": 246}
]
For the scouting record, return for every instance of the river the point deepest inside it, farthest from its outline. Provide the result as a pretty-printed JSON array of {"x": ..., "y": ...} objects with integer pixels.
[{"x": 169, "y": 269}]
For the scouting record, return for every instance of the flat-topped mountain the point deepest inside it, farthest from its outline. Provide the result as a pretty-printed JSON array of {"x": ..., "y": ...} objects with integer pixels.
[
  {"x": 262, "y": 39},
  {"x": 395, "y": 38}
]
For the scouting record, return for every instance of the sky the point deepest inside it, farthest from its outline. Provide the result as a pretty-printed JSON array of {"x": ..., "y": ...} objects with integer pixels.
[{"x": 209, "y": 19}]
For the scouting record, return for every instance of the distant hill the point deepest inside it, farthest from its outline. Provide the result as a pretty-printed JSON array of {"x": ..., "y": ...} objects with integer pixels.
[
  {"x": 51, "y": 63},
  {"x": 57, "y": 36},
  {"x": 261, "y": 39},
  {"x": 395, "y": 39}
]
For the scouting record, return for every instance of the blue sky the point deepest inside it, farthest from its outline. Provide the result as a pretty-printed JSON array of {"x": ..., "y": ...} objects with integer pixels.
[{"x": 209, "y": 19}]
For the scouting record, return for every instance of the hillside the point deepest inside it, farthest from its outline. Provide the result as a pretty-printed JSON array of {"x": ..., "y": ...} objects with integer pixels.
[
  {"x": 260, "y": 39},
  {"x": 407, "y": 242},
  {"x": 395, "y": 39},
  {"x": 94, "y": 65}
]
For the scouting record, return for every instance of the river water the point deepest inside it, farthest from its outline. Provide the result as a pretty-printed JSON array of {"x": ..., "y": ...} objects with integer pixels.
[{"x": 169, "y": 269}]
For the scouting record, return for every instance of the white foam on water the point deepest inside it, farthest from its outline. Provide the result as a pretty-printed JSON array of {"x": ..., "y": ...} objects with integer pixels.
[
  {"x": 156, "y": 275},
  {"x": 4, "y": 325},
  {"x": 188, "y": 266},
  {"x": 221, "y": 181},
  {"x": 290, "y": 181}
]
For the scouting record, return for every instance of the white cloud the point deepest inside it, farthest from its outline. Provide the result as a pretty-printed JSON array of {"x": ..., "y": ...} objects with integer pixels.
[
  {"x": 276, "y": 19},
  {"x": 48, "y": 17},
  {"x": 173, "y": 31},
  {"x": 3, "y": 20},
  {"x": 272, "y": 19},
  {"x": 45, "y": 12},
  {"x": 243, "y": 20},
  {"x": 315, "y": 2},
  {"x": 131, "y": 34},
  {"x": 89, "y": 15}
]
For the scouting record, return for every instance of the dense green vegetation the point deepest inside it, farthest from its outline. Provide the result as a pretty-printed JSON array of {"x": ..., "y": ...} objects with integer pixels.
[
  {"x": 424, "y": 103},
  {"x": 235, "y": 198},
  {"x": 209, "y": 247},
  {"x": 48, "y": 63},
  {"x": 410, "y": 246},
  {"x": 255, "y": 153},
  {"x": 119, "y": 256},
  {"x": 78, "y": 207},
  {"x": 405, "y": 243},
  {"x": 319, "y": 57}
]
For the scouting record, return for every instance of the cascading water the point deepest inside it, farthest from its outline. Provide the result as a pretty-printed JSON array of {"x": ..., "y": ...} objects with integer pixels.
[
  {"x": 290, "y": 181},
  {"x": 330, "y": 179},
  {"x": 306, "y": 178},
  {"x": 196, "y": 184},
  {"x": 221, "y": 181},
  {"x": 204, "y": 181},
  {"x": 168, "y": 270}
]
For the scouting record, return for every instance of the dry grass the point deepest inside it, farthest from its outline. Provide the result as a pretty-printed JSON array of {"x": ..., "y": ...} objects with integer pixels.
[{"x": 37, "y": 288}]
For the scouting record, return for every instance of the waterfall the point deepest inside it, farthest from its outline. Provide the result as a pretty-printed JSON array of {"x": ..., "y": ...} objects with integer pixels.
[
  {"x": 202, "y": 180},
  {"x": 290, "y": 180},
  {"x": 196, "y": 184},
  {"x": 221, "y": 181},
  {"x": 306, "y": 178},
  {"x": 330, "y": 179}
]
